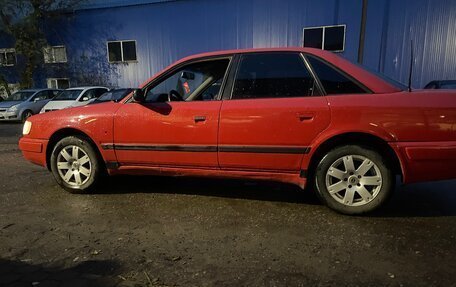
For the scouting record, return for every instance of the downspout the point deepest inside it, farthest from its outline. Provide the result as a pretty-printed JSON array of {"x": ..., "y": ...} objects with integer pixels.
[{"x": 362, "y": 34}]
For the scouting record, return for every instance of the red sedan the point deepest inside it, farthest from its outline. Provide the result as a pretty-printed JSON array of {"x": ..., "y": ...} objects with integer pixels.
[{"x": 302, "y": 116}]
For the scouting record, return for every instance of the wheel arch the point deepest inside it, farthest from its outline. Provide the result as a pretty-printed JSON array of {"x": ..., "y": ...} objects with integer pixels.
[
  {"x": 355, "y": 138},
  {"x": 21, "y": 113},
  {"x": 66, "y": 132}
]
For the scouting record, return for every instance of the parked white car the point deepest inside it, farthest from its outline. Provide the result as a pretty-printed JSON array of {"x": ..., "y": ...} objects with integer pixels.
[{"x": 73, "y": 97}]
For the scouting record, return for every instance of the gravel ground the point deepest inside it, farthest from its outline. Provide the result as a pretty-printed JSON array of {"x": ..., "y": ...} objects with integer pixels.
[{"x": 161, "y": 231}]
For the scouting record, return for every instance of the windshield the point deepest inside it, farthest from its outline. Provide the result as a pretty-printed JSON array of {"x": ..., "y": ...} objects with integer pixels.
[
  {"x": 19, "y": 96},
  {"x": 68, "y": 95},
  {"x": 115, "y": 95}
]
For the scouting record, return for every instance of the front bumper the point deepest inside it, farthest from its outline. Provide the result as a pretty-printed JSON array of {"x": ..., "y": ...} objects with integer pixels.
[
  {"x": 8, "y": 116},
  {"x": 426, "y": 161},
  {"x": 34, "y": 150}
]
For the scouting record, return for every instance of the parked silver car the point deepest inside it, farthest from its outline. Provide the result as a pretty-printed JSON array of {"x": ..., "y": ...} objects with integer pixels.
[{"x": 25, "y": 103}]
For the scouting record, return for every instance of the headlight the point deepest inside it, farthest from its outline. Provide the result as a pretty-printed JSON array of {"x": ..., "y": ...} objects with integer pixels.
[
  {"x": 13, "y": 108},
  {"x": 27, "y": 127}
]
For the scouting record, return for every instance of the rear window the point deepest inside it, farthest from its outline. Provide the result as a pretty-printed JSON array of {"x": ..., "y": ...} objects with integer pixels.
[{"x": 333, "y": 81}]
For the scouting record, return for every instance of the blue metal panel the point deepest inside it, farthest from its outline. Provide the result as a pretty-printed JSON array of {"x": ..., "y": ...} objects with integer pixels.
[
  {"x": 168, "y": 31},
  {"x": 429, "y": 23},
  {"x": 96, "y": 4}
]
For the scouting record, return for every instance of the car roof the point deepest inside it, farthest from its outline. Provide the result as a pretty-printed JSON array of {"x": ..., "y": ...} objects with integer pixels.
[
  {"x": 246, "y": 51},
  {"x": 368, "y": 79},
  {"x": 36, "y": 90},
  {"x": 86, "y": 88}
]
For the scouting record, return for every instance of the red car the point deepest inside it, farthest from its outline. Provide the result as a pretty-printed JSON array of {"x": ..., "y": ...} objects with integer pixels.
[{"x": 301, "y": 116}]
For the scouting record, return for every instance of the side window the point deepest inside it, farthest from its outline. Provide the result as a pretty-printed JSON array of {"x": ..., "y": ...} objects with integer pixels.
[
  {"x": 93, "y": 93},
  {"x": 272, "y": 76},
  {"x": 99, "y": 92},
  {"x": 52, "y": 93},
  {"x": 212, "y": 91},
  {"x": 90, "y": 94},
  {"x": 40, "y": 96},
  {"x": 191, "y": 83},
  {"x": 333, "y": 81}
]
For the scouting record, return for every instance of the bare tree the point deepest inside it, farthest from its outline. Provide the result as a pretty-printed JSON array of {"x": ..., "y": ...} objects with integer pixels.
[{"x": 24, "y": 20}]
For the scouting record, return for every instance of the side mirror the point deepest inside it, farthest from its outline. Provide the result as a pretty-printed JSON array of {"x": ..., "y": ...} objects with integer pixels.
[
  {"x": 36, "y": 100},
  {"x": 84, "y": 99},
  {"x": 138, "y": 96}
]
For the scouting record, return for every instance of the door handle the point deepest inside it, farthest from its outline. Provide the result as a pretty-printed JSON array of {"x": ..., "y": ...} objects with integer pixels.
[
  {"x": 305, "y": 117},
  {"x": 200, "y": 119}
]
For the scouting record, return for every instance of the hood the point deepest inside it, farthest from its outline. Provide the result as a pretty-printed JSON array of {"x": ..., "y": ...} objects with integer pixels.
[
  {"x": 9, "y": 104},
  {"x": 58, "y": 105}
]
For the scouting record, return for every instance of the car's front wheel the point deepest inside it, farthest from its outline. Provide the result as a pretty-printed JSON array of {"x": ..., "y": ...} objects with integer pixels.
[
  {"x": 26, "y": 114},
  {"x": 75, "y": 165},
  {"x": 353, "y": 179}
]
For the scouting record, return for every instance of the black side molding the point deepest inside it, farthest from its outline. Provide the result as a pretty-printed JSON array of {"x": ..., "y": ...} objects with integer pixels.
[
  {"x": 226, "y": 148},
  {"x": 265, "y": 149}
]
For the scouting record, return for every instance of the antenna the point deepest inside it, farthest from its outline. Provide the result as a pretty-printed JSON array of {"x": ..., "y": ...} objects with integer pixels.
[{"x": 411, "y": 67}]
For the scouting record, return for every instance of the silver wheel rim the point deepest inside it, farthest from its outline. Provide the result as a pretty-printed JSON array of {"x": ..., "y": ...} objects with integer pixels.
[
  {"x": 353, "y": 180},
  {"x": 74, "y": 165}
]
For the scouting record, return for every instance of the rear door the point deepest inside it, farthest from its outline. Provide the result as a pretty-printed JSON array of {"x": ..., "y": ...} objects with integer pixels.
[
  {"x": 38, "y": 101},
  {"x": 274, "y": 112}
]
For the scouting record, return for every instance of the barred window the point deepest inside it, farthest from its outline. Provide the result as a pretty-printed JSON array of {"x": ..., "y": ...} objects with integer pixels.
[
  {"x": 55, "y": 54},
  {"x": 7, "y": 57},
  {"x": 58, "y": 83}
]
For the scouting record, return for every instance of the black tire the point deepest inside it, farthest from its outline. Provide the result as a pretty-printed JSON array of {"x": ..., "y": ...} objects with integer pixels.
[
  {"x": 340, "y": 201},
  {"x": 26, "y": 114},
  {"x": 87, "y": 183}
]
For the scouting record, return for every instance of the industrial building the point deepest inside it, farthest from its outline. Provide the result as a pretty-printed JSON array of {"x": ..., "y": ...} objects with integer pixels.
[{"x": 122, "y": 43}]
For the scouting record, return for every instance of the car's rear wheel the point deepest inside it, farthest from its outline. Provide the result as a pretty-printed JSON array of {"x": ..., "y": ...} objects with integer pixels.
[
  {"x": 354, "y": 179},
  {"x": 75, "y": 165}
]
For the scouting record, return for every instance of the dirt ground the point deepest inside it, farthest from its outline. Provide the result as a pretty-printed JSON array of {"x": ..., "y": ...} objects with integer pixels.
[{"x": 161, "y": 231}]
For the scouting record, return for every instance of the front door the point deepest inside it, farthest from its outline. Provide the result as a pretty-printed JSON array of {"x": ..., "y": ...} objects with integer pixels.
[
  {"x": 178, "y": 124},
  {"x": 274, "y": 113}
]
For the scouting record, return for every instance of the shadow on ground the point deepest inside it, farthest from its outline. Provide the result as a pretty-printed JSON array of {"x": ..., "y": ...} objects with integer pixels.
[
  {"x": 430, "y": 199},
  {"x": 225, "y": 188},
  {"x": 417, "y": 200},
  {"x": 88, "y": 273}
]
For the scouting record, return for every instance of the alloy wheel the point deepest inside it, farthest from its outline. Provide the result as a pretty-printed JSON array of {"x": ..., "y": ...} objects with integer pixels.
[
  {"x": 74, "y": 165},
  {"x": 353, "y": 180}
]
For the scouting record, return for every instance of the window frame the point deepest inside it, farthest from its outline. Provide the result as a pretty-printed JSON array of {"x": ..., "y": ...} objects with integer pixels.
[
  {"x": 32, "y": 99},
  {"x": 337, "y": 69},
  {"x": 9, "y": 50},
  {"x": 93, "y": 91},
  {"x": 56, "y": 81},
  {"x": 319, "y": 91},
  {"x": 324, "y": 35},
  {"x": 52, "y": 49},
  {"x": 170, "y": 72},
  {"x": 121, "y": 51}
]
